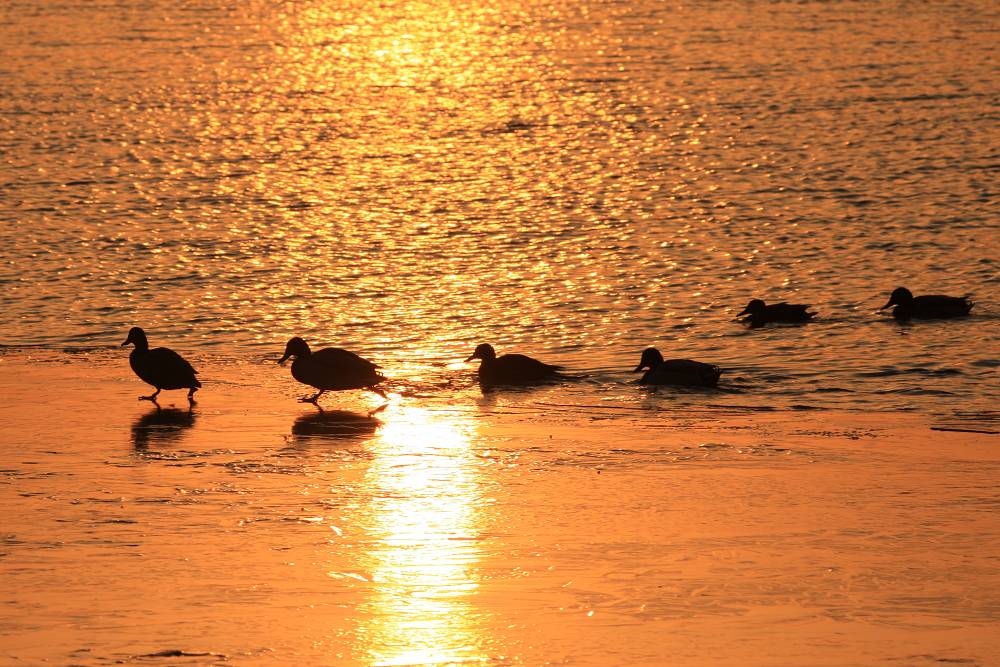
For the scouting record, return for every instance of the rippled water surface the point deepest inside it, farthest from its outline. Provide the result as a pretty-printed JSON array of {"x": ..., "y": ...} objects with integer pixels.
[{"x": 574, "y": 180}]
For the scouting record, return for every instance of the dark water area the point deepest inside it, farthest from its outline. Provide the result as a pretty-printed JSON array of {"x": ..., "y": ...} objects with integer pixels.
[{"x": 575, "y": 181}]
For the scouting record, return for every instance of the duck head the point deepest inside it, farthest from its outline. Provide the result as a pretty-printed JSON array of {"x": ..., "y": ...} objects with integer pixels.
[
  {"x": 755, "y": 307},
  {"x": 295, "y": 347},
  {"x": 483, "y": 351},
  {"x": 651, "y": 358},
  {"x": 900, "y": 296},
  {"x": 137, "y": 337}
]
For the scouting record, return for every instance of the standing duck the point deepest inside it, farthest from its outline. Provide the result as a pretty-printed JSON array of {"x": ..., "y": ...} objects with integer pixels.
[
  {"x": 330, "y": 369},
  {"x": 510, "y": 368},
  {"x": 161, "y": 367},
  {"x": 676, "y": 371},
  {"x": 758, "y": 313},
  {"x": 927, "y": 307}
]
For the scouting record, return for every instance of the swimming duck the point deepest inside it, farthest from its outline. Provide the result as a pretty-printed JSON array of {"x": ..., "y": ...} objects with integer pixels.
[
  {"x": 510, "y": 368},
  {"x": 929, "y": 306},
  {"x": 161, "y": 367},
  {"x": 676, "y": 371},
  {"x": 330, "y": 369},
  {"x": 758, "y": 313}
]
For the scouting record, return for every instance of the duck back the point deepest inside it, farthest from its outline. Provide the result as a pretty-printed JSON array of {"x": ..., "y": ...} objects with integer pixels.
[
  {"x": 683, "y": 372},
  {"x": 933, "y": 306},
  {"x": 333, "y": 368},
  {"x": 515, "y": 369},
  {"x": 788, "y": 312},
  {"x": 163, "y": 368}
]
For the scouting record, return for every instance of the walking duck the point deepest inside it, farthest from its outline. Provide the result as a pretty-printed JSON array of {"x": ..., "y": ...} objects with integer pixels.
[
  {"x": 161, "y": 367},
  {"x": 330, "y": 369}
]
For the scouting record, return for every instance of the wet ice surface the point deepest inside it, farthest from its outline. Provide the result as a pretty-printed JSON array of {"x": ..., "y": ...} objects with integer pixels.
[{"x": 496, "y": 529}]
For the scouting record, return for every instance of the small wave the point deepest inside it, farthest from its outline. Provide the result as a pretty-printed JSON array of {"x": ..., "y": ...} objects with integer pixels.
[
  {"x": 892, "y": 372},
  {"x": 915, "y": 391}
]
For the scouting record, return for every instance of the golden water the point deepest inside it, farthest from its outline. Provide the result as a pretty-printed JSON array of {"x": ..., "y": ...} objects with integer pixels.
[{"x": 572, "y": 180}]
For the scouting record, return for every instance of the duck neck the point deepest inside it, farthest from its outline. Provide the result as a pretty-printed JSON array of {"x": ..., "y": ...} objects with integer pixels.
[{"x": 141, "y": 344}]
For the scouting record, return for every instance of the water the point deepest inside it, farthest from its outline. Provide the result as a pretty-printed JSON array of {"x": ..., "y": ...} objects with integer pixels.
[{"x": 576, "y": 181}]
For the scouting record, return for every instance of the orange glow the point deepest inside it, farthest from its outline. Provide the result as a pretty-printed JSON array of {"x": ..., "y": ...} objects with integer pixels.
[{"x": 425, "y": 523}]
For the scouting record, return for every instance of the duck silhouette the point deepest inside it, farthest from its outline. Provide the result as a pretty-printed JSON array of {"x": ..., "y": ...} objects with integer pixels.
[
  {"x": 927, "y": 307},
  {"x": 330, "y": 369},
  {"x": 161, "y": 367},
  {"x": 684, "y": 372},
  {"x": 759, "y": 313},
  {"x": 511, "y": 368}
]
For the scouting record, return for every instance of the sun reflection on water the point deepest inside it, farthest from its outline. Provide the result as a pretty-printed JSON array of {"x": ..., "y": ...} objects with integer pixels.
[{"x": 425, "y": 523}]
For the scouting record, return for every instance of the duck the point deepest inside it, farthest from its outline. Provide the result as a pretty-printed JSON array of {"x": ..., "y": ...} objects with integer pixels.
[
  {"x": 927, "y": 307},
  {"x": 759, "y": 313},
  {"x": 510, "y": 368},
  {"x": 161, "y": 367},
  {"x": 330, "y": 369},
  {"x": 683, "y": 372}
]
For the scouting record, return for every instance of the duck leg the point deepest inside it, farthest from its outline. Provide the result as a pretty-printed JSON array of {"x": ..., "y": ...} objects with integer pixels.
[
  {"x": 191, "y": 400},
  {"x": 382, "y": 407},
  {"x": 312, "y": 399},
  {"x": 151, "y": 397}
]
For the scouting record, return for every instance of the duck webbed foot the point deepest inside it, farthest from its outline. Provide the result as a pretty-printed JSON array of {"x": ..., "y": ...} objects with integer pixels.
[
  {"x": 151, "y": 397},
  {"x": 311, "y": 399},
  {"x": 372, "y": 413}
]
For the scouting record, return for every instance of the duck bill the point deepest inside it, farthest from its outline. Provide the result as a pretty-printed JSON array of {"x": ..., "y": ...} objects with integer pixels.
[
  {"x": 471, "y": 357},
  {"x": 746, "y": 311},
  {"x": 127, "y": 341},
  {"x": 886, "y": 305},
  {"x": 639, "y": 368},
  {"x": 284, "y": 358}
]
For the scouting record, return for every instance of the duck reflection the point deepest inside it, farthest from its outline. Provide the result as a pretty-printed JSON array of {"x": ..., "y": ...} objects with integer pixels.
[
  {"x": 426, "y": 522},
  {"x": 334, "y": 425},
  {"x": 161, "y": 427}
]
